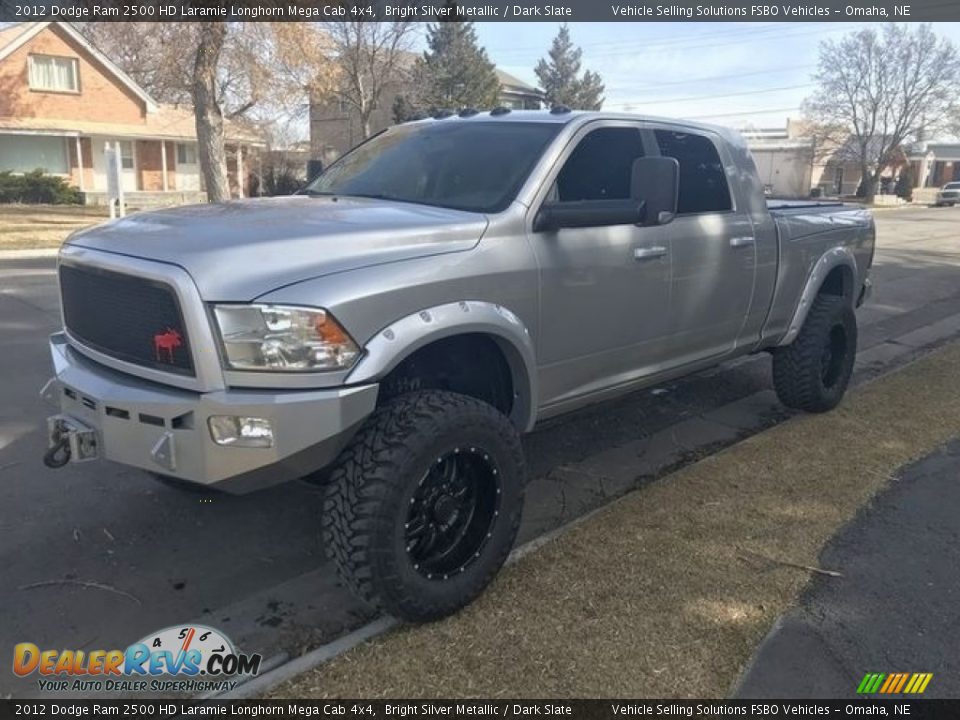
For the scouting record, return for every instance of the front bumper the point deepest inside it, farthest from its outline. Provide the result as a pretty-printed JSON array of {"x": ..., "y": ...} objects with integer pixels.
[{"x": 164, "y": 430}]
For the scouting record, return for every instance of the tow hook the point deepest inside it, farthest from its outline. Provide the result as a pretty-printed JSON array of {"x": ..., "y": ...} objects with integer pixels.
[
  {"x": 58, "y": 455},
  {"x": 69, "y": 440}
]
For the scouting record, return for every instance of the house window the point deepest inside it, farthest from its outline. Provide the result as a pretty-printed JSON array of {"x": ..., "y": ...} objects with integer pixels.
[
  {"x": 186, "y": 154},
  {"x": 126, "y": 154},
  {"x": 26, "y": 153},
  {"x": 59, "y": 74}
]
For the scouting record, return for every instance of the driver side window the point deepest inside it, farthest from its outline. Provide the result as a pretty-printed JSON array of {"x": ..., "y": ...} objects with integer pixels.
[{"x": 599, "y": 168}]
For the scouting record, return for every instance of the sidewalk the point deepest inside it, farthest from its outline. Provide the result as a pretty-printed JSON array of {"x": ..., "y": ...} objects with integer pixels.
[{"x": 669, "y": 591}]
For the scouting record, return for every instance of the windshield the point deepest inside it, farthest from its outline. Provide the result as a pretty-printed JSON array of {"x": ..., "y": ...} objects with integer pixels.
[
  {"x": 952, "y": 186},
  {"x": 475, "y": 166}
]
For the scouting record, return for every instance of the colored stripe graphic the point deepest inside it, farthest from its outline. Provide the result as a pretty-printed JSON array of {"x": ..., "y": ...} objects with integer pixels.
[
  {"x": 903, "y": 681},
  {"x": 894, "y": 683},
  {"x": 870, "y": 683}
]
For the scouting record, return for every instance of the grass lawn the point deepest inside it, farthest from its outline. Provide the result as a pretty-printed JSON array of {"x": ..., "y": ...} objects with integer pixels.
[
  {"x": 28, "y": 227},
  {"x": 667, "y": 592}
]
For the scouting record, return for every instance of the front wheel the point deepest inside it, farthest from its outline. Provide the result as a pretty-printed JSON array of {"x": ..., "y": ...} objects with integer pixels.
[
  {"x": 423, "y": 506},
  {"x": 812, "y": 373}
]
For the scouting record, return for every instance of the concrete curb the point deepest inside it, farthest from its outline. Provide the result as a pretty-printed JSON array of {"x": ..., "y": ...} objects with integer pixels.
[
  {"x": 312, "y": 659},
  {"x": 284, "y": 671},
  {"x": 28, "y": 254}
]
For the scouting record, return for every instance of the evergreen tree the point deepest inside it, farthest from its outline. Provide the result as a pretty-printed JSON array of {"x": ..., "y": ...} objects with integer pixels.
[
  {"x": 453, "y": 73},
  {"x": 561, "y": 80}
]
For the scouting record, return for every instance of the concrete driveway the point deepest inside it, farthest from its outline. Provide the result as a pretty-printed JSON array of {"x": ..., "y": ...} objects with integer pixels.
[{"x": 254, "y": 566}]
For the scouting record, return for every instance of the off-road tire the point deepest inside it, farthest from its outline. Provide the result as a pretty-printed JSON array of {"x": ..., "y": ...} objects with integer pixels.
[
  {"x": 374, "y": 481},
  {"x": 800, "y": 377}
]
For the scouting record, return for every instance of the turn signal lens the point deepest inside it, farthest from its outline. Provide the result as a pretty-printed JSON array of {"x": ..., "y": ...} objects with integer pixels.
[{"x": 283, "y": 338}]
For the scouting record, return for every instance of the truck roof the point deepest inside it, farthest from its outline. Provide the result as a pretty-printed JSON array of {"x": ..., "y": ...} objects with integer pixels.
[{"x": 563, "y": 117}]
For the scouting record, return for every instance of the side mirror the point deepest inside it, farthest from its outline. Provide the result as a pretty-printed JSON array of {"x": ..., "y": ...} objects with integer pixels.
[
  {"x": 655, "y": 182},
  {"x": 588, "y": 213}
]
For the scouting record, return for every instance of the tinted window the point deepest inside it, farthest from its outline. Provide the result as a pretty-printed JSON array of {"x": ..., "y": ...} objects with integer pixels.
[
  {"x": 703, "y": 182},
  {"x": 476, "y": 166},
  {"x": 599, "y": 167}
]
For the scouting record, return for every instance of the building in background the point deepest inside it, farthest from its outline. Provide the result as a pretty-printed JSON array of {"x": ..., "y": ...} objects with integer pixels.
[
  {"x": 335, "y": 125},
  {"x": 792, "y": 165},
  {"x": 516, "y": 94},
  {"x": 62, "y": 102},
  {"x": 784, "y": 159},
  {"x": 935, "y": 164}
]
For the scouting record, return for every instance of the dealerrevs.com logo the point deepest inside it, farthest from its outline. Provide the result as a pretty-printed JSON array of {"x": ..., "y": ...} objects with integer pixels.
[{"x": 177, "y": 659}]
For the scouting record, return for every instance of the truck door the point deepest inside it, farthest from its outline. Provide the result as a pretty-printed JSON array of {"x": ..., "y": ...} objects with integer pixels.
[
  {"x": 604, "y": 291},
  {"x": 713, "y": 247}
]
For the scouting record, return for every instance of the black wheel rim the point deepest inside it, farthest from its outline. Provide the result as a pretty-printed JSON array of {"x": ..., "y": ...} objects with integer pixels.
[
  {"x": 452, "y": 513},
  {"x": 833, "y": 356}
]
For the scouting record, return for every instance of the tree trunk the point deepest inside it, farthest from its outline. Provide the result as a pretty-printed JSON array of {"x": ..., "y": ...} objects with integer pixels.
[
  {"x": 207, "y": 111},
  {"x": 869, "y": 186}
]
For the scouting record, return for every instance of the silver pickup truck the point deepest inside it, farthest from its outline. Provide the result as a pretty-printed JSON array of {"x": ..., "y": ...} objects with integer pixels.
[{"x": 434, "y": 294}]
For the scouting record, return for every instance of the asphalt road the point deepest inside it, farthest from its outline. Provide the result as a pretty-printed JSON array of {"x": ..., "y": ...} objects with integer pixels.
[
  {"x": 896, "y": 608},
  {"x": 254, "y": 566}
]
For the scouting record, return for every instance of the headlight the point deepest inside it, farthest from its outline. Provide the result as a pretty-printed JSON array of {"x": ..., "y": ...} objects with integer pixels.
[{"x": 283, "y": 338}]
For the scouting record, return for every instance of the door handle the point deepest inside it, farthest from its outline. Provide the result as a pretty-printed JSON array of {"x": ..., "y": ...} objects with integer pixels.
[
  {"x": 649, "y": 253},
  {"x": 743, "y": 241}
]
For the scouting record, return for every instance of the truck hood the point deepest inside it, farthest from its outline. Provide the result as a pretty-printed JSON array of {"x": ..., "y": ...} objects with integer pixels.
[{"x": 240, "y": 250}]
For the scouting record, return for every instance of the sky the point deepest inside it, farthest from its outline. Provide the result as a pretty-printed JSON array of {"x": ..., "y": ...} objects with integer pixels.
[{"x": 736, "y": 74}]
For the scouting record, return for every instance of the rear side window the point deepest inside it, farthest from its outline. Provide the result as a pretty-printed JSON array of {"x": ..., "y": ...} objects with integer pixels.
[
  {"x": 703, "y": 182},
  {"x": 599, "y": 167}
]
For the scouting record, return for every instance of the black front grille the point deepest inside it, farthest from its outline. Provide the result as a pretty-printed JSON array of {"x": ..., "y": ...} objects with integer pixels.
[{"x": 126, "y": 317}]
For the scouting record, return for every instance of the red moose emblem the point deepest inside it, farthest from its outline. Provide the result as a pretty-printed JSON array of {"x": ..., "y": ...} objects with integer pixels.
[{"x": 165, "y": 343}]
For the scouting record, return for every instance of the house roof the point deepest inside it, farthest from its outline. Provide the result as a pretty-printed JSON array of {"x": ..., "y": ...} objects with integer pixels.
[
  {"x": 162, "y": 121},
  {"x": 512, "y": 82},
  {"x": 8, "y": 35},
  {"x": 16, "y": 36},
  {"x": 168, "y": 122}
]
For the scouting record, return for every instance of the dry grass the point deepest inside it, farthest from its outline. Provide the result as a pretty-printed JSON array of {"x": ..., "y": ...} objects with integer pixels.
[
  {"x": 43, "y": 226},
  {"x": 661, "y": 594}
]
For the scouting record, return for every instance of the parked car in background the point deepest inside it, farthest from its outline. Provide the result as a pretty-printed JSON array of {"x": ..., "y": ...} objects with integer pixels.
[{"x": 949, "y": 194}]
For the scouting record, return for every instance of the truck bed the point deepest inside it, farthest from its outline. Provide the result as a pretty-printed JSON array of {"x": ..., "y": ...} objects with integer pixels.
[
  {"x": 797, "y": 219},
  {"x": 776, "y": 206}
]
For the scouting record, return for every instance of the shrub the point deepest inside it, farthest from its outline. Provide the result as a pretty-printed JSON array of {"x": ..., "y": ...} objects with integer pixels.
[
  {"x": 36, "y": 188},
  {"x": 276, "y": 181},
  {"x": 904, "y": 186}
]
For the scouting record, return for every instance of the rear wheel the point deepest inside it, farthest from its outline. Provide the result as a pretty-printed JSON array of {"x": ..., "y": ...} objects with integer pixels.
[
  {"x": 813, "y": 372},
  {"x": 423, "y": 506}
]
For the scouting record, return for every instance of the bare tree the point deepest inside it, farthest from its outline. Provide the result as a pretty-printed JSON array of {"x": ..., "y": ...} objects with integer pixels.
[
  {"x": 879, "y": 90},
  {"x": 207, "y": 110},
  {"x": 157, "y": 56},
  {"x": 369, "y": 56},
  {"x": 258, "y": 73}
]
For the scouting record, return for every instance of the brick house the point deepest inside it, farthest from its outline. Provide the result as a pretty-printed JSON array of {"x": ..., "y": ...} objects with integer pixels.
[{"x": 62, "y": 103}]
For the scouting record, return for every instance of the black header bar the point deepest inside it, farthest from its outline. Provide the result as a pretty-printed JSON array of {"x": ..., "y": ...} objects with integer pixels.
[{"x": 486, "y": 10}]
